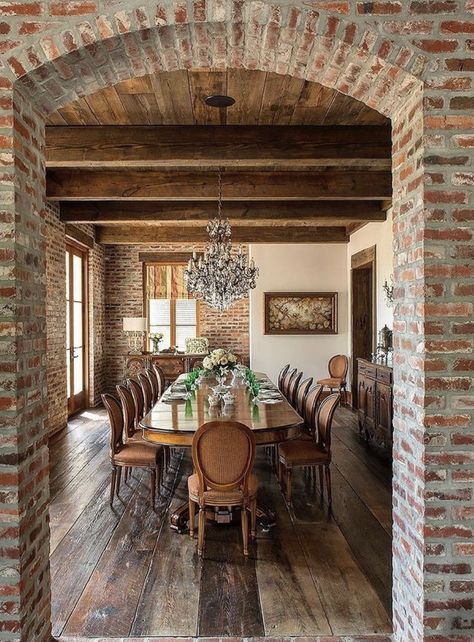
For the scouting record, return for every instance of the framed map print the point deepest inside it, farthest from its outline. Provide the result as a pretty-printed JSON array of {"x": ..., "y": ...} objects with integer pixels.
[{"x": 300, "y": 312}]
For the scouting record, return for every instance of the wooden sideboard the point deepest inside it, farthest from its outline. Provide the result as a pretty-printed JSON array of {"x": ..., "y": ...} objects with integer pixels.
[
  {"x": 375, "y": 400},
  {"x": 172, "y": 364}
]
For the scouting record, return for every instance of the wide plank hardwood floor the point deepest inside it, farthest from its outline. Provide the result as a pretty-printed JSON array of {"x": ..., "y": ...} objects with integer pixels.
[{"x": 124, "y": 572}]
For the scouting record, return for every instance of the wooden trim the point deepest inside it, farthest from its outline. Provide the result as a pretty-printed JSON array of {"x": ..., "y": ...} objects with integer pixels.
[
  {"x": 168, "y": 258},
  {"x": 364, "y": 257},
  {"x": 79, "y": 236}
]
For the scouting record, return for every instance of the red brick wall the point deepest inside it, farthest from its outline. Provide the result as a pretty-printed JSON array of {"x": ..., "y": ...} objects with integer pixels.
[{"x": 124, "y": 297}]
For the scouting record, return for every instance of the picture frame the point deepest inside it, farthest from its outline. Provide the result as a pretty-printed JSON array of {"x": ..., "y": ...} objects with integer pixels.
[{"x": 288, "y": 313}]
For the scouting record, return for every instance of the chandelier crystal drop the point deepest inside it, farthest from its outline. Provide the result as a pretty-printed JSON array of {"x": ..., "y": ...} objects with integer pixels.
[{"x": 220, "y": 276}]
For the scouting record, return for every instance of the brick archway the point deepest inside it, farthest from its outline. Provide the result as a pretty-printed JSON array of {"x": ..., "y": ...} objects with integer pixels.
[{"x": 68, "y": 54}]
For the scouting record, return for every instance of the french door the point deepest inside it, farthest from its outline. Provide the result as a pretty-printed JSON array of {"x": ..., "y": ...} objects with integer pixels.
[{"x": 76, "y": 328}]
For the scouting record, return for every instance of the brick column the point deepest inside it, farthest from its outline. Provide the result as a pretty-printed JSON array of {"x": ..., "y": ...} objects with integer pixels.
[{"x": 24, "y": 488}]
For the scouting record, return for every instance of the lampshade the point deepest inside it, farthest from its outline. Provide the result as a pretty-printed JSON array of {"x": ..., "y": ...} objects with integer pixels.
[{"x": 134, "y": 324}]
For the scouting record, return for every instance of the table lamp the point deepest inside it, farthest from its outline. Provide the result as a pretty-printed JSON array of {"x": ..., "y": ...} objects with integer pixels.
[{"x": 134, "y": 328}]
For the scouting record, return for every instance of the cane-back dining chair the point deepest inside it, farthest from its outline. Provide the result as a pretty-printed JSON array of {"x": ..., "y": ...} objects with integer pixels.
[
  {"x": 128, "y": 454},
  {"x": 223, "y": 457},
  {"x": 337, "y": 368},
  {"x": 281, "y": 376},
  {"x": 293, "y": 387},
  {"x": 301, "y": 393},
  {"x": 310, "y": 454},
  {"x": 155, "y": 385},
  {"x": 161, "y": 377},
  {"x": 138, "y": 400},
  {"x": 286, "y": 382},
  {"x": 147, "y": 391}
]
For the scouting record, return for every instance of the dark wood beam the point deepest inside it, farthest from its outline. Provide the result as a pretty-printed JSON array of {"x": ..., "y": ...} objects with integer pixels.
[
  {"x": 174, "y": 147},
  {"x": 133, "y": 235},
  {"x": 198, "y": 186},
  {"x": 302, "y": 212}
]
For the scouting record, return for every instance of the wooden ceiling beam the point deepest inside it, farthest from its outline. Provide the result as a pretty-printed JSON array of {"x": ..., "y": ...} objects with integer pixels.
[
  {"x": 126, "y": 235},
  {"x": 205, "y": 146},
  {"x": 155, "y": 185},
  {"x": 239, "y": 213}
]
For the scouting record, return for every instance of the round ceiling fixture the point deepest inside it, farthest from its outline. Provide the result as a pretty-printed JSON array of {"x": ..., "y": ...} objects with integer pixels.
[{"x": 219, "y": 101}]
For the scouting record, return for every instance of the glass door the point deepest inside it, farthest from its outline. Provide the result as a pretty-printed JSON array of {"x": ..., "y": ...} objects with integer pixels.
[{"x": 76, "y": 328}]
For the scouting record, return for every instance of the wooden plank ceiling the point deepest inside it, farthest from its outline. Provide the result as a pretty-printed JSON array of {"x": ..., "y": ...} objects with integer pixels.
[{"x": 300, "y": 162}]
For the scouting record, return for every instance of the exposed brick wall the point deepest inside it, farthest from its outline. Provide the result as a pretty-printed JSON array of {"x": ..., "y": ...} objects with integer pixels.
[
  {"x": 56, "y": 319},
  {"x": 97, "y": 324},
  {"x": 124, "y": 297},
  {"x": 381, "y": 53}
]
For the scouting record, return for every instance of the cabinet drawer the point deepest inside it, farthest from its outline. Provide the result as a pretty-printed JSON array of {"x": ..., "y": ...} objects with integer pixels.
[
  {"x": 384, "y": 375},
  {"x": 366, "y": 369}
]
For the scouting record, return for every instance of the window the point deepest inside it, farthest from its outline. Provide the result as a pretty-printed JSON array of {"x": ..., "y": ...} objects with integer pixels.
[{"x": 169, "y": 308}]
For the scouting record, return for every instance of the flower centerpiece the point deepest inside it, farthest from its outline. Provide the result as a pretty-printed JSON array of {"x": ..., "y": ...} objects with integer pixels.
[
  {"x": 219, "y": 363},
  {"x": 156, "y": 337}
]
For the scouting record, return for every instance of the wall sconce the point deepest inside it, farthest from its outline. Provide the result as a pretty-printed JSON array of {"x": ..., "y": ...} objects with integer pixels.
[
  {"x": 134, "y": 328},
  {"x": 388, "y": 289}
]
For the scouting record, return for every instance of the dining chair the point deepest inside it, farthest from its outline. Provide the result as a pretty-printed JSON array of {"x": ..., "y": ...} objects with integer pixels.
[
  {"x": 147, "y": 392},
  {"x": 155, "y": 384},
  {"x": 337, "y": 368},
  {"x": 223, "y": 458},
  {"x": 313, "y": 454},
  {"x": 293, "y": 387},
  {"x": 310, "y": 408},
  {"x": 281, "y": 376},
  {"x": 301, "y": 393},
  {"x": 128, "y": 454},
  {"x": 286, "y": 381},
  {"x": 161, "y": 377},
  {"x": 138, "y": 400}
]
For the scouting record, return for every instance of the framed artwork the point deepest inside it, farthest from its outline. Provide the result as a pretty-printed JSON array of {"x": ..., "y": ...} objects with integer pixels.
[{"x": 300, "y": 312}]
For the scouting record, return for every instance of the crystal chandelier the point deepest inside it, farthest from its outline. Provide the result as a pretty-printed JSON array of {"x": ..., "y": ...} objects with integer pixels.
[{"x": 219, "y": 277}]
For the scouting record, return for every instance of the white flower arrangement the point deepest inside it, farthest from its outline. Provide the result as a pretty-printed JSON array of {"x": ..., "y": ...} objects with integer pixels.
[
  {"x": 219, "y": 361},
  {"x": 156, "y": 337}
]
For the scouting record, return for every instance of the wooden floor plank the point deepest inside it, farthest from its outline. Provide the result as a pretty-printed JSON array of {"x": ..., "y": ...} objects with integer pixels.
[
  {"x": 288, "y": 595},
  {"x": 75, "y": 558},
  {"x": 169, "y": 602}
]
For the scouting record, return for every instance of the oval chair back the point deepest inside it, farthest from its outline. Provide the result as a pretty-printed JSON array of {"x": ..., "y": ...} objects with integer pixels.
[
  {"x": 301, "y": 393},
  {"x": 161, "y": 378},
  {"x": 281, "y": 376},
  {"x": 293, "y": 387},
  {"x": 137, "y": 394},
  {"x": 223, "y": 456},
  {"x": 154, "y": 383},
  {"x": 338, "y": 366},
  {"x": 287, "y": 380},
  {"x": 324, "y": 420},
  {"x": 128, "y": 410},
  {"x": 116, "y": 423},
  {"x": 310, "y": 407},
  {"x": 147, "y": 392}
]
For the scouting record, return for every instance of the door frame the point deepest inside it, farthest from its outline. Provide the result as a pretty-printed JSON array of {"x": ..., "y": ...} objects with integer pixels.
[
  {"x": 362, "y": 260},
  {"x": 84, "y": 251}
]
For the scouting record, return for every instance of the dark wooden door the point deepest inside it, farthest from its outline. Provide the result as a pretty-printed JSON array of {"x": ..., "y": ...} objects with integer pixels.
[
  {"x": 362, "y": 321},
  {"x": 76, "y": 328}
]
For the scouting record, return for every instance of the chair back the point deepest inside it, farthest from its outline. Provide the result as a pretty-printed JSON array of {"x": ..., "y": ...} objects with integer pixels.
[
  {"x": 281, "y": 376},
  {"x": 161, "y": 377},
  {"x": 147, "y": 391},
  {"x": 293, "y": 387},
  {"x": 310, "y": 406},
  {"x": 223, "y": 455},
  {"x": 154, "y": 383},
  {"x": 324, "y": 420},
  {"x": 338, "y": 366},
  {"x": 286, "y": 381},
  {"x": 137, "y": 394},
  {"x": 128, "y": 410},
  {"x": 116, "y": 422},
  {"x": 301, "y": 393}
]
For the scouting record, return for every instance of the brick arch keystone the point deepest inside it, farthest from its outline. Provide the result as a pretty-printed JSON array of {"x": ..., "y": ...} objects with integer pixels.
[{"x": 386, "y": 54}]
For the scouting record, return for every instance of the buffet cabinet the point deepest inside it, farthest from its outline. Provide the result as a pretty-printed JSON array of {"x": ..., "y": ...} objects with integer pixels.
[
  {"x": 375, "y": 400},
  {"x": 171, "y": 364}
]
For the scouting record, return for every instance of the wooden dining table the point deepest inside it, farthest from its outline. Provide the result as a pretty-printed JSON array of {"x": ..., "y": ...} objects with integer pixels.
[{"x": 174, "y": 422}]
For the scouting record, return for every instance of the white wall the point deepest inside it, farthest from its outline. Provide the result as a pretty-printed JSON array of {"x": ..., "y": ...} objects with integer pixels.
[
  {"x": 380, "y": 235},
  {"x": 298, "y": 268}
]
